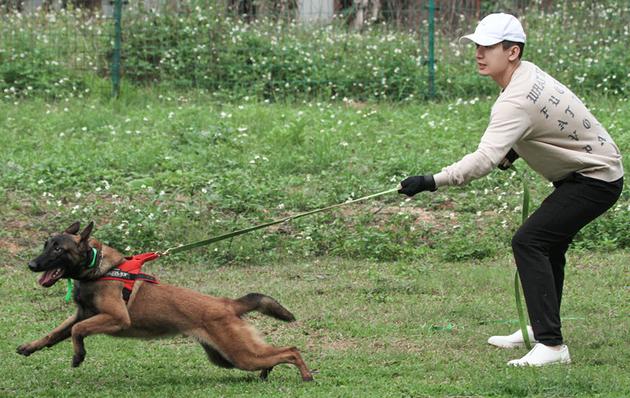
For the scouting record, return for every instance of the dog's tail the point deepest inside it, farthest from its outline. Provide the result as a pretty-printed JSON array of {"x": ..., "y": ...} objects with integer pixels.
[{"x": 263, "y": 304}]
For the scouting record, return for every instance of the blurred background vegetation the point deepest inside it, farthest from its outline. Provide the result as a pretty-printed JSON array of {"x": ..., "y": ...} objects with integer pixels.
[{"x": 290, "y": 49}]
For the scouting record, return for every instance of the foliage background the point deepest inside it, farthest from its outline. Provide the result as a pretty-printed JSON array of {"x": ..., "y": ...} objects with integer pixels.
[{"x": 206, "y": 46}]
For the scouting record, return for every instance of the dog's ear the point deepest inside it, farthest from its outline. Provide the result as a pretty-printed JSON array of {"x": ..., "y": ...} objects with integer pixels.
[
  {"x": 86, "y": 232},
  {"x": 73, "y": 229}
]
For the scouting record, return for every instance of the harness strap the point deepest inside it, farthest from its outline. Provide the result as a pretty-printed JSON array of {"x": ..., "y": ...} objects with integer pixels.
[
  {"x": 126, "y": 293},
  {"x": 128, "y": 279},
  {"x": 129, "y": 272},
  {"x": 118, "y": 274}
]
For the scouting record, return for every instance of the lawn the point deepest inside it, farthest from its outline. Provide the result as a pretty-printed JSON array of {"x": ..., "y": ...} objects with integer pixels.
[
  {"x": 415, "y": 327},
  {"x": 393, "y": 297}
]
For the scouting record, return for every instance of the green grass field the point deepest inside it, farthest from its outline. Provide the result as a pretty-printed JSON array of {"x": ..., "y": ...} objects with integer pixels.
[
  {"x": 393, "y": 297},
  {"x": 406, "y": 328}
]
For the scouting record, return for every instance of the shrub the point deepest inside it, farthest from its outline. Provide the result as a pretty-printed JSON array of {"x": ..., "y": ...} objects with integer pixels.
[{"x": 28, "y": 71}]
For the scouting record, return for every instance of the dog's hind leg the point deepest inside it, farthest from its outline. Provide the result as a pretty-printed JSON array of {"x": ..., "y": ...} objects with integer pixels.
[
  {"x": 215, "y": 357},
  {"x": 270, "y": 356},
  {"x": 58, "y": 334},
  {"x": 240, "y": 344},
  {"x": 264, "y": 374}
]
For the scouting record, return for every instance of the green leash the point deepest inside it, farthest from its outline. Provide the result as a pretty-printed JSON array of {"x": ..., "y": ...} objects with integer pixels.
[
  {"x": 205, "y": 242},
  {"x": 69, "y": 289},
  {"x": 181, "y": 248},
  {"x": 517, "y": 293}
]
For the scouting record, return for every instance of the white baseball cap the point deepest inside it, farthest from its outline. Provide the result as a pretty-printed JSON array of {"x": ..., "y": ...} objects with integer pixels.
[{"x": 495, "y": 28}]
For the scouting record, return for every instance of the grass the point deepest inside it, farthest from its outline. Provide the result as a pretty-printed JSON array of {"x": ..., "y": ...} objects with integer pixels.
[
  {"x": 407, "y": 328},
  {"x": 393, "y": 297},
  {"x": 156, "y": 171}
]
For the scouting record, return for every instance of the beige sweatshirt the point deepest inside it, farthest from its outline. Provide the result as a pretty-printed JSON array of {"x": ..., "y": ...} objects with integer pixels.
[{"x": 548, "y": 126}]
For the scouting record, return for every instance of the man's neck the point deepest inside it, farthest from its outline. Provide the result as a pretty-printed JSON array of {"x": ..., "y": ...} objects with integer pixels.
[{"x": 504, "y": 79}]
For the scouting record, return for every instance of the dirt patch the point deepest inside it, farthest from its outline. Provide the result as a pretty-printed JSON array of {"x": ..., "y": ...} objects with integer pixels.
[
  {"x": 382, "y": 215},
  {"x": 398, "y": 345},
  {"x": 352, "y": 104},
  {"x": 15, "y": 225},
  {"x": 322, "y": 340},
  {"x": 11, "y": 247}
]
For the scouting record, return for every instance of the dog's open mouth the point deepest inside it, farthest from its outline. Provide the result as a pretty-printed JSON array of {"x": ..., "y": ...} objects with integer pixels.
[{"x": 50, "y": 277}]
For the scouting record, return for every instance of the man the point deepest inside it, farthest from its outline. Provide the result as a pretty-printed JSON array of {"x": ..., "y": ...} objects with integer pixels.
[{"x": 542, "y": 121}]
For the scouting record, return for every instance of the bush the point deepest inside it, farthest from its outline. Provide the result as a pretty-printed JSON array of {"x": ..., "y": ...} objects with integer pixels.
[{"x": 29, "y": 71}]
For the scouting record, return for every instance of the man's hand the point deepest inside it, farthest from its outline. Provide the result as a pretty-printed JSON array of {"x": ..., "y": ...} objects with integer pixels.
[
  {"x": 507, "y": 161},
  {"x": 412, "y": 185}
]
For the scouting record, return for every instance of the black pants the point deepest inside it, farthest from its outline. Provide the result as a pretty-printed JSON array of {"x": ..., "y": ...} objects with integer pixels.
[{"x": 540, "y": 243}]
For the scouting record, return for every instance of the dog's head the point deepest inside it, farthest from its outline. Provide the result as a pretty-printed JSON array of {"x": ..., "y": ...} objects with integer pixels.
[{"x": 65, "y": 255}]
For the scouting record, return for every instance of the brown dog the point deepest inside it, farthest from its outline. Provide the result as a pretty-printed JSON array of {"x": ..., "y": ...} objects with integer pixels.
[{"x": 153, "y": 310}]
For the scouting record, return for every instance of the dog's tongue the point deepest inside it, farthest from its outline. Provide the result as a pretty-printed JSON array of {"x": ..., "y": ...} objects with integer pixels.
[{"x": 50, "y": 277}]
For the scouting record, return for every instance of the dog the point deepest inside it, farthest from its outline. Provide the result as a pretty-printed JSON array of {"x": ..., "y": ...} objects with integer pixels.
[{"x": 153, "y": 310}]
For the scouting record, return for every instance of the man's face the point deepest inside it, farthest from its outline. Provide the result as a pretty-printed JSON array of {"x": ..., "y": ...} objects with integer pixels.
[{"x": 493, "y": 60}]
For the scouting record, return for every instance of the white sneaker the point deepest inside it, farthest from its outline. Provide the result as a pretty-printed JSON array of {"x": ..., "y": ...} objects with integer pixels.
[
  {"x": 512, "y": 341},
  {"x": 542, "y": 355}
]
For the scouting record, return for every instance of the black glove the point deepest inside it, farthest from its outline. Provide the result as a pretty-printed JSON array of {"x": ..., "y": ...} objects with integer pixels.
[
  {"x": 412, "y": 185},
  {"x": 507, "y": 161}
]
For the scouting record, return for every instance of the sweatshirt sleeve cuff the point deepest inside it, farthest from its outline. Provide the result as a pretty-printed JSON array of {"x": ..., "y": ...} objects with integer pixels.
[{"x": 441, "y": 179}]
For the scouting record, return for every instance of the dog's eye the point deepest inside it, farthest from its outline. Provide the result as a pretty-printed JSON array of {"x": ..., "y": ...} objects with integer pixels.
[{"x": 57, "y": 249}]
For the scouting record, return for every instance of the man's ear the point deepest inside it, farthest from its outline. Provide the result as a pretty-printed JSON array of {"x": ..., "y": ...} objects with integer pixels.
[
  {"x": 73, "y": 229},
  {"x": 86, "y": 232},
  {"x": 515, "y": 51}
]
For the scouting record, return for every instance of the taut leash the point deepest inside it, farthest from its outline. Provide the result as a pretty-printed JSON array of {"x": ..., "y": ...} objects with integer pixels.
[
  {"x": 214, "y": 239},
  {"x": 205, "y": 242}
]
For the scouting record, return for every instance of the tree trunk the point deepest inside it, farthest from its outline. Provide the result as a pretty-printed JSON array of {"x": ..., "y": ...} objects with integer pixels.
[
  {"x": 360, "y": 7},
  {"x": 375, "y": 9}
]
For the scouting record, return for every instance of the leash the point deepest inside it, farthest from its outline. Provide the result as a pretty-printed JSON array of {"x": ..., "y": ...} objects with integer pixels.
[
  {"x": 517, "y": 294},
  {"x": 181, "y": 248},
  {"x": 205, "y": 242}
]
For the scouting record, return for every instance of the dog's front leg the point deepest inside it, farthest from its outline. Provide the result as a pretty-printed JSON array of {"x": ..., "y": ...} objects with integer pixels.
[
  {"x": 101, "y": 323},
  {"x": 58, "y": 334}
]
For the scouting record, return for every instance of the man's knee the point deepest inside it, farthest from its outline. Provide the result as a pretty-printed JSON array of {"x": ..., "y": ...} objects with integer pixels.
[{"x": 522, "y": 240}]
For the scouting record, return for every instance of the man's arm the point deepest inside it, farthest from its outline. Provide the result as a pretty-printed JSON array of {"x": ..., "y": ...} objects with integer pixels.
[{"x": 508, "y": 123}]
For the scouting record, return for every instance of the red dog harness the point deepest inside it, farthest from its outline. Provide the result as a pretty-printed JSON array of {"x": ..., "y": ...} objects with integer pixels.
[{"x": 129, "y": 272}]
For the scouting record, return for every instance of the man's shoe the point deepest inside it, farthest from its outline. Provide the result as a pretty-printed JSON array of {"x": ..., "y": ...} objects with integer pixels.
[
  {"x": 542, "y": 355},
  {"x": 514, "y": 340}
]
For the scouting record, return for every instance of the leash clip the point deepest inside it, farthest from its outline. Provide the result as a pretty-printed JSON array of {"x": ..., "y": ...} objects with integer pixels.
[
  {"x": 164, "y": 253},
  {"x": 167, "y": 251}
]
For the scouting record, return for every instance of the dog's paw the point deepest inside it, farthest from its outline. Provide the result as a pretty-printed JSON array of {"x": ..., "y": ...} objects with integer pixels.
[
  {"x": 77, "y": 359},
  {"x": 25, "y": 349}
]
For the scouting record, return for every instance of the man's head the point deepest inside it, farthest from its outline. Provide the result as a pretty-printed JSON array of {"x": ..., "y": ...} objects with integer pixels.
[
  {"x": 500, "y": 41},
  {"x": 496, "y": 28}
]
